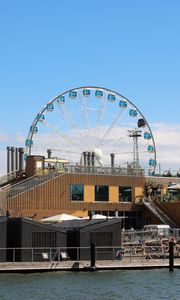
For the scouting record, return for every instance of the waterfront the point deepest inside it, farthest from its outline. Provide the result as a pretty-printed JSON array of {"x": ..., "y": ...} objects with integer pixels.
[{"x": 133, "y": 284}]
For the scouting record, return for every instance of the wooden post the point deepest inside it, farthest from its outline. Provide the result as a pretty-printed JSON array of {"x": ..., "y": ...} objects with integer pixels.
[
  {"x": 93, "y": 256},
  {"x": 171, "y": 256}
]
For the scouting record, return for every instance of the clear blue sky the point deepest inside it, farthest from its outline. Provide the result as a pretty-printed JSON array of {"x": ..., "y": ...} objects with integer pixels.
[{"x": 49, "y": 46}]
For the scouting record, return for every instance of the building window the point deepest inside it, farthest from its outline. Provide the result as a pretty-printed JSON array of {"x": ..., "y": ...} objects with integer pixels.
[
  {"x": 77, "y": 192},
  {"x": 101, "y": 193},
  {"x": 125, "y": 194}
]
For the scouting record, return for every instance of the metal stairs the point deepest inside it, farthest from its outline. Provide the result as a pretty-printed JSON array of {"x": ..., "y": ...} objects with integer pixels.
[
  {"x": 31, "y": 183},
  {"x": 150, "y": 205},
  {"x": 5, "y": 179}
]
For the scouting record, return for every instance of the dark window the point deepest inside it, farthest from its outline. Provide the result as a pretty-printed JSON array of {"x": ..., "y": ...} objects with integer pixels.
[
  {"x": 101, "y": 193},
  {"x": 77, "y": 192},
  {"x": 43, "y": 239},
  {"x": 125, "y": 194}
]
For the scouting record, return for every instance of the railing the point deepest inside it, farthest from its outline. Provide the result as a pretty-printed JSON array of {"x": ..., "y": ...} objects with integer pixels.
[
  {"x": 165, "y": 219},
  {"x": 166, "y": 211},
  {"x": 7, "y": 178},
  {"x": 104, "y": 170},
  {"x": 175, "y": 232},
  {"x": 150, "y": 206},
  {"x": 137, "y": 237},
  {"x": 167, "y": 173},
  {"x": 75, "y": 254},
  {"x": 30, "y": 183}
]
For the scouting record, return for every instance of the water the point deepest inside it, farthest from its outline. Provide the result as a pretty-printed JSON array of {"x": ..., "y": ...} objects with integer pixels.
[{"x": 136, "y": 285}]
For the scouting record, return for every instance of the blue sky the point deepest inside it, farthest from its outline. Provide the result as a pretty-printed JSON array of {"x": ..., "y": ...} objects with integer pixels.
[{"x": 132, "y": 47}]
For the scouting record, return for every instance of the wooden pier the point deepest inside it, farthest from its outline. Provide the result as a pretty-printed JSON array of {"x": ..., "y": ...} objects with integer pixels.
[{"x": 124, "y": 264}]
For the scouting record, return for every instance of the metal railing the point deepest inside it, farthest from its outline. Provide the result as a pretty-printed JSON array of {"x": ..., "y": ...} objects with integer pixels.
[
  {"x": 104, "y": 170},
  {"x": 153, "y": 235},
  {"x": 167, "y": 212},
  {"x": 5, "y": 179},
  {"x": 77, "y": 254},
  {"x": 158, "y": 212},
  {"x": 30, "y": 183},
  {"x": 135, "y": 236}
]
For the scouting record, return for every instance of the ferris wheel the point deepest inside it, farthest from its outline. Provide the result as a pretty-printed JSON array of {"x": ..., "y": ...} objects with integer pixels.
[{"x": 97, "y": 120}]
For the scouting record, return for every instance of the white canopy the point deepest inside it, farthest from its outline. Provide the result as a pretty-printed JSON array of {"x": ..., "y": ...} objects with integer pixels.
[
  {"x": 97, "y": 217},
  {"x": 59, "y": 218},
  {"x": 174, "y": 186}
]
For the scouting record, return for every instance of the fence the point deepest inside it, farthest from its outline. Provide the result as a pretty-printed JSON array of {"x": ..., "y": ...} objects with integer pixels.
[
  {"x": 128, "y": 253},
  {"x": 139, "y": 236}
]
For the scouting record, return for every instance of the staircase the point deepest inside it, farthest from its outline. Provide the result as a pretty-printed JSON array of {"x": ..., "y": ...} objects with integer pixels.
[
  {"x": 162, "y": 206},
  {"x": 5, "y": 179},
  {"x": 30, "y": 183},
  {"x": 164, "y": 218},
  {"x": 3, "y": 199}
]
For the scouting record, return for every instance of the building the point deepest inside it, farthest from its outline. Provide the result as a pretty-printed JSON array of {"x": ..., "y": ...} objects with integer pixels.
[
  {"x": 31, "y": 239},
  {"x": 49, "y": 190},
  {"x": 104, "y": 233}
]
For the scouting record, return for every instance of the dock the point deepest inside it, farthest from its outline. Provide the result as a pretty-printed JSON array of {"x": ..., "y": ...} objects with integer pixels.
[{"x": 124, "y": 264}]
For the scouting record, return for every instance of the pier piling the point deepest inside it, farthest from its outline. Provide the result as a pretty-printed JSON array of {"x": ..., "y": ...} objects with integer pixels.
[
  {"x": 171, "y": 256},
  {"x": 93, "y": 256}
]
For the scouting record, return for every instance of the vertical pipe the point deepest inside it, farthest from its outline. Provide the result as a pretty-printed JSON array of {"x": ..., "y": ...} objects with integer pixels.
[
  {"x": 12, "y": 158},
  {"x": 89, "y": 158},
  {"x": 16, "y": 159},
  {"x": 49, "y": 153},
  {"x": 93, "y": 159},
  {"x": 84, "y": 157},
  {"x": 21, "y": 159},
  {"x": 112, "y": 159},
  {"x": 8, "y": 159}
]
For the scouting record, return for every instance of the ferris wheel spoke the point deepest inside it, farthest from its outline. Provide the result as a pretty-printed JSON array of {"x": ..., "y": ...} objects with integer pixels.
[
  {"x": 69, "y": 119},
  {"x": 71, "y": 140},
  {"x": 135, "y": 146},
  {"x": 85, "y": 117},
  {"x": 123, "y": 137},
  {"x": 57, "y": 150},
  {"x": 100, "y": 116},
  {"x": 84, "y": 111},
  {"x": 113, "y": 124},
  {"x": 127, "y": 152}
]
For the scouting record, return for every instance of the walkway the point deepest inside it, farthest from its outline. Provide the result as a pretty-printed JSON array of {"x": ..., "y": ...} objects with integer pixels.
[{"x": 124, "y": 264}]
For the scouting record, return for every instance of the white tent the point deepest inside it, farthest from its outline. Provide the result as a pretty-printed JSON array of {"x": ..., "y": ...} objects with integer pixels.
[
  {"x": 97, "y": 217},
  {"x": 59, "y": 218},
  {"x": 174, "y": 187}
]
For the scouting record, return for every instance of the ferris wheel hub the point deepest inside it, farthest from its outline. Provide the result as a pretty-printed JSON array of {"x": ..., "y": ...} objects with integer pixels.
[{"x": 98, "y": 152}]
